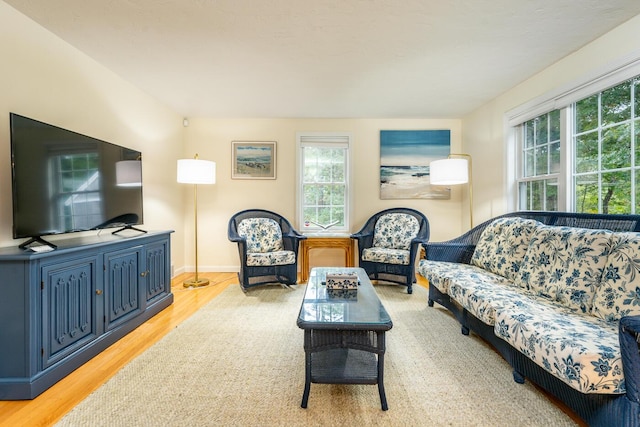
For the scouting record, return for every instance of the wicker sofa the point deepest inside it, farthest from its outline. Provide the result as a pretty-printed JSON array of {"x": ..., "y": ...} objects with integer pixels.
[{"x": 558, "y": 295}]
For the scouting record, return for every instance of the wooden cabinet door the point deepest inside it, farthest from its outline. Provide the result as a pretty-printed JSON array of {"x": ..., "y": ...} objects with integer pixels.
[
  {"x": 122, "y": 289},
  {"x": 68, "y": 307}
]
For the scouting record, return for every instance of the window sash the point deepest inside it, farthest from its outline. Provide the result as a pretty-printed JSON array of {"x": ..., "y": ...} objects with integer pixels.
[{"x": 323, "y": 195}]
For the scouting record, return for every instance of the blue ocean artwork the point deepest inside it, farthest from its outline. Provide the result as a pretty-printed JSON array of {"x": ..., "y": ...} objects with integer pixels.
[{"x": 404, "y": 163}]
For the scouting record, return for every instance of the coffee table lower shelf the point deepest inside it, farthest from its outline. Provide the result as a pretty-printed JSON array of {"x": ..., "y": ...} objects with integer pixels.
[{"x": 344, "y": 366}]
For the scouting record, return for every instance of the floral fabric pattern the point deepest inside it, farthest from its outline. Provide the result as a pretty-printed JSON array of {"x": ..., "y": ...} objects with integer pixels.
[
  {"x": 264, "y": 243},
  {"x": 503, "y": 245},
  {"x": 385, "y": 255},
  {"x": 560, "y": 305},
  {"x": 438, "y": 273},
  {"x": 565, "y": 264},
  {"x": 482, "y": 292},
  {"x": 582, "y": 351},
  {"x": 262, "y": 234},
  {"x": 255, "y": 259},
  {"x": 395, "y": 231},
  {"x": 619, "y": 292}
]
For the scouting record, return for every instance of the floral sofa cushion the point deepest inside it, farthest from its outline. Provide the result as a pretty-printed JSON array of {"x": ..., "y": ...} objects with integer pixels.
[
  {"x": 481, "y": 292},
  {"x": 395, "y": 231},
  {"x": 392, "y": 238},
  {"x": 439, "y": 273},
  {"x": 565, "y": 264},
  {"x": 583, "y": 351},
  {"x": 619, "y": 292},
  {"x": 386, "y": 255},
  {"x": 255, "y": 259},
  {"x": 503, "y": 245},
  {"x": 262, "y": 234}
]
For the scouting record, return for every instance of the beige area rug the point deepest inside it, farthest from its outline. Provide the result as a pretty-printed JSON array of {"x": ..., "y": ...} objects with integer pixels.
[{"x": 239, "y": 361}]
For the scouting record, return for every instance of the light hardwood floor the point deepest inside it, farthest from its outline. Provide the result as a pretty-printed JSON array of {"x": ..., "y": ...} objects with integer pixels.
[{"x": 54, "y": 403}]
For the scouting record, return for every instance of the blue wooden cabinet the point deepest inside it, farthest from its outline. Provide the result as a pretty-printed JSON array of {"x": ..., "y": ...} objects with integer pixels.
[{"x": 59, "y": 309}]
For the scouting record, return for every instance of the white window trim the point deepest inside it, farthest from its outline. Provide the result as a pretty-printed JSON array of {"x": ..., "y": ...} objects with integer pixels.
[
  {"x": 324, "y": 138},
  {"x": 608, "y": 76}
]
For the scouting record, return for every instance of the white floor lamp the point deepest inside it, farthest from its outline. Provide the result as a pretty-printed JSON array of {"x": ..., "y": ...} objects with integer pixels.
[
  {"x": 195, "y": 171},
  {"x": 453, "y": 171}
]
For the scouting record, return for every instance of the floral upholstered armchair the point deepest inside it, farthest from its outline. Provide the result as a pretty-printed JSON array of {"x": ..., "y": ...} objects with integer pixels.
[
  {"x": 389, "y": 243},
  {"x": 268, "y": 248}
]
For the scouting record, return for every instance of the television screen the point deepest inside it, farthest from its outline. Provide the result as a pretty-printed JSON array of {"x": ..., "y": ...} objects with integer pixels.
[{"x": 64, "y": 182}]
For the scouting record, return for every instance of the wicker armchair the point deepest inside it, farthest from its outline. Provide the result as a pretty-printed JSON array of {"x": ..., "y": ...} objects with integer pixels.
[
  {"x": 268, "y": 248},
  {"x": 389, "y": 242}
]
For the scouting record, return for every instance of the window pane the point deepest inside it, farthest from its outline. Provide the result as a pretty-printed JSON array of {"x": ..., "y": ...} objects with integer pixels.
[
  {"x": 586, "y": 114},
  {"x": 586, "y": 148},
  {"x": 616, "y": 188},
  {"x": 554, "y": 155},
  {"x": 536, "y": 195},
  {"x": 616, "y": 147},
  {"x": 637, "y": 176},
  {"x": 542, "y": 134},
  {"x": 529, "y": 132},
  {"x": 636, "y": 86},
  {"x": 616, "y": 104},
  {"x": 587, "y": 193},
  {"x": 554, "y": 125},
  {"x": 529, "y": 163},
  {"x": 637, "y": 141},
  {"x": 551, "y": 195},
  {"x": 542, "y": 158}
]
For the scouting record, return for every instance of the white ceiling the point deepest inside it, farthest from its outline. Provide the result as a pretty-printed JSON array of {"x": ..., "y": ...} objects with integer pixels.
[{"x": 327, "y": 58}]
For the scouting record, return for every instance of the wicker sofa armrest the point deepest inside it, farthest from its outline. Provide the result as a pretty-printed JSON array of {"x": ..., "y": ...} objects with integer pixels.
[
  {"x": 629, "y": 334},
  {"x": 450, "y": 252}
]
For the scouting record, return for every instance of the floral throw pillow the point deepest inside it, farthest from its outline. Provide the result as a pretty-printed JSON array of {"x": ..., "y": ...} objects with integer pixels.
[{"x": 619, "y": 292}]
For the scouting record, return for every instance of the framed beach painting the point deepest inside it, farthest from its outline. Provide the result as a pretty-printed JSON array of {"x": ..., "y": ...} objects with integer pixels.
[
  {"x": 404, "y": 163},
  {"x": 253, "y": 160}
]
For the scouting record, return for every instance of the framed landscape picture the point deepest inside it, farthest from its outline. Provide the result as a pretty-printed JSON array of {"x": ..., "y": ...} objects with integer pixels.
[
  {"x": 253, "y": 160},
  {"x": 404, "y": 163}
]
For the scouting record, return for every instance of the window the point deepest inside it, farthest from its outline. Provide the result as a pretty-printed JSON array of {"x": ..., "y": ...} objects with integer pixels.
[
  {"x": 323, "y": 172},
  {"x": 538, "y": 188},
  {"x": 77, "y": 186},
  {"x": 596, "y": 141},
  {"x": 605, "y": 138}
]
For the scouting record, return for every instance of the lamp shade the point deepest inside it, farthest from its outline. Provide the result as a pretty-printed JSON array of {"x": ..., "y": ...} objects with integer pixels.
[
  {"x": 449, "y": 172},
  {"x": 196, "y": 171},
  {"x": 129, "y": 173}
]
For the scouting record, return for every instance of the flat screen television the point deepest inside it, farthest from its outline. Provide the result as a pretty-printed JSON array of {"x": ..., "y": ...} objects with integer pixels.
[{"x": 65, "y": 182}]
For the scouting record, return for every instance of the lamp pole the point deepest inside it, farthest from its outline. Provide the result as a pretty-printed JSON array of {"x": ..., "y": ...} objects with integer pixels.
[{"x": 195, "y": 171}]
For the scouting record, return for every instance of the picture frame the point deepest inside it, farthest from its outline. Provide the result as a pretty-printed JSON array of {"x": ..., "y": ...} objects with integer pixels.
[
  {"x": 405, "y": 156},
  {"x": 253, "y": 159}
]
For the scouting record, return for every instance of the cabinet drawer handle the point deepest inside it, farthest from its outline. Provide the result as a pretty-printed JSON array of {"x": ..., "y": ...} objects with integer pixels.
[
  {"x": 144, "y": 273},
  {"x": 98, "y": 291}
]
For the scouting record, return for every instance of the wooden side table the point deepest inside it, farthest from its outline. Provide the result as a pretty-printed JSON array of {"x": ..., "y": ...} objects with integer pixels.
[{"x": 338, "y": 241}]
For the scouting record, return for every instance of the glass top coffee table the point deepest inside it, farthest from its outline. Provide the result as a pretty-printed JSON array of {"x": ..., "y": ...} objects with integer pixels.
[{"x": 344, "y": 335}]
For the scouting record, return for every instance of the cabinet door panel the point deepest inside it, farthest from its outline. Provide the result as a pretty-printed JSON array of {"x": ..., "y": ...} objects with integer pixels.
[
  {"x": 68, "y": 307},
  {"x": 157, "y": 278},
  {"x": 122, "y": 286}
]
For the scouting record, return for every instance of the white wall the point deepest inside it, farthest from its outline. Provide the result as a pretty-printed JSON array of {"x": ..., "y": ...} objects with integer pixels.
[
  {"x": 485, "y": 132},
  {"x": 211, "y": 139},
  {"x": 44, "y": 78}
]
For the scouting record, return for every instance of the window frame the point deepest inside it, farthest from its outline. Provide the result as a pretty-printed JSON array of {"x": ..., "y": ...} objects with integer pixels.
[
  {"x": 323, "y": 139},
  {"x": 563, "y": 98}
]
